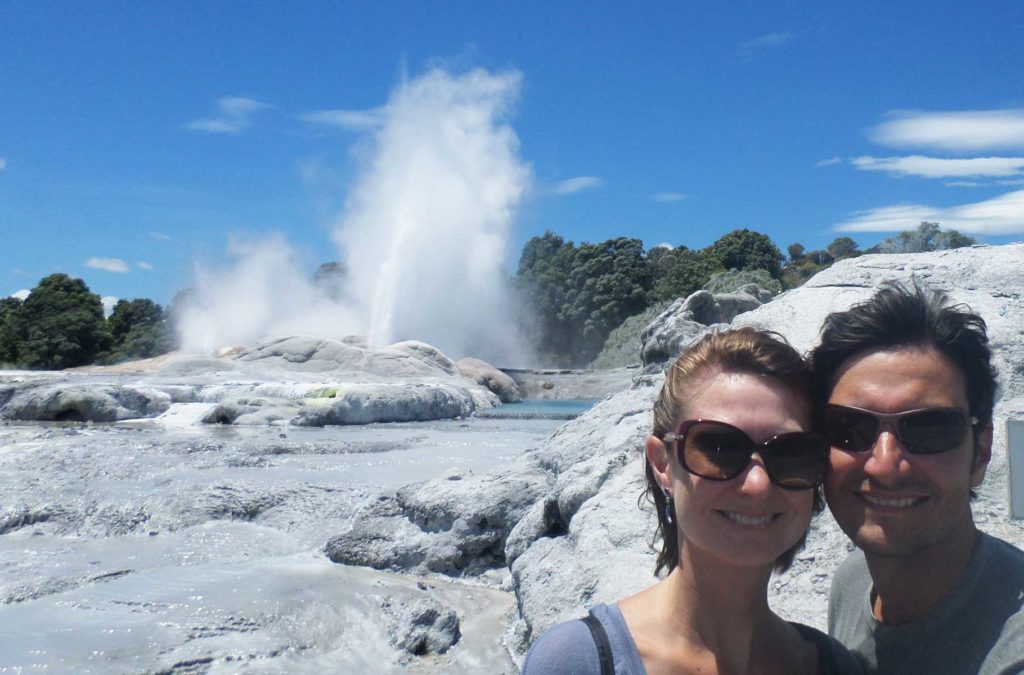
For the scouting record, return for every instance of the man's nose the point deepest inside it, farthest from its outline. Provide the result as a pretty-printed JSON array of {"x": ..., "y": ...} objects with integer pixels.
[{"x": 888, "y": 457}]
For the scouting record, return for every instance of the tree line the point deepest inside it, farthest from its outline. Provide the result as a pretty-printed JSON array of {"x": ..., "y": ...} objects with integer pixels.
[
  {"x": 573, "y": 296},
  {"x": 61, "y": 324},
  {"x": 576, "y": 295}
]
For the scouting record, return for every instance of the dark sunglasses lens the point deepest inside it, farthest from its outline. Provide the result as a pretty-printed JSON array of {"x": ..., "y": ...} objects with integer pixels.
[
  {"x": 715, "y": 451},
  {"x": 796, "y": 461},
  {"x": 850, "y": 429},
  {"x": 931, "y": 431}
]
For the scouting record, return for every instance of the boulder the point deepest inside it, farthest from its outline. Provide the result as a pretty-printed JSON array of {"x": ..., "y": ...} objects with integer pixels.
[
  {"x": 688, "y": 319},
  {"x": 414, "y": 402},
  {"x": 82, "y": 403},
  {"x": 487, "y": 375},
  {"x": 423, "y": 627},
  {"x": 455, "y": 525}
]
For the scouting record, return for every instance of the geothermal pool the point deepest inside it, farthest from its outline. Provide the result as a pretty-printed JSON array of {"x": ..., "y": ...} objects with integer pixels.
[{"x": 140, "y": 548}]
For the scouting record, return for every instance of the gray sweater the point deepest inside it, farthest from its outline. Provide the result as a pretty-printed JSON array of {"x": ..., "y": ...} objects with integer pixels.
[{"x": 977, "y": 628}]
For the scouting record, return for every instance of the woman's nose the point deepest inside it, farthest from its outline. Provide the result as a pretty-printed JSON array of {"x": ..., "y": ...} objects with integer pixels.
[{"x": 755, "y": 476}]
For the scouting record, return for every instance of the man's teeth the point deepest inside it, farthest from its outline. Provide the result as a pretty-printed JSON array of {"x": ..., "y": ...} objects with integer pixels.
[
  {"x": 747, "y": 520},
  {"x": 900, "y": 503}
]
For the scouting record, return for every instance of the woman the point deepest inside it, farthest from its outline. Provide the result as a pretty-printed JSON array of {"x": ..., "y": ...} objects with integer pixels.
[{"x": 735, "y": 475}]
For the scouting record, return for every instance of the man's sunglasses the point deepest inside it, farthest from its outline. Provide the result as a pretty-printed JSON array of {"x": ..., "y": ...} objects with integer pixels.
[
  {"x": 926, "y": 431},
  {"x": 720, "y": 451}
]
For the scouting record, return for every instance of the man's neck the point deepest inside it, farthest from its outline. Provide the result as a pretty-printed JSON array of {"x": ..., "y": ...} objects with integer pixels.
[{"x": 907, "y": 587}]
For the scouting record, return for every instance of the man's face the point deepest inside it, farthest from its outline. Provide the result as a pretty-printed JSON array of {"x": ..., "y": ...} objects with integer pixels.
[{"x": 888, "y": 501}]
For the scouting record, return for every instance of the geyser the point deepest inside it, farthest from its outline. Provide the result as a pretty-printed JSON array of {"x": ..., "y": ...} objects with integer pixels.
[
  {"x": 426, "y": 226},
  {"x": 423, "y": 235}
]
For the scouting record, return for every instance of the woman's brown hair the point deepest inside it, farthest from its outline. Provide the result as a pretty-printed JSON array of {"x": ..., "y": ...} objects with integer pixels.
[{"x": 741, "y": 351}]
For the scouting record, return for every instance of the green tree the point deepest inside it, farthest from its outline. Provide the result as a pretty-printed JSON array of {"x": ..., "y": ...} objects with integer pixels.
[
  {"x": 795, "y": 251},
  {"x": 609, "y": 282},
  {"x": 678, "y": 272},
  {"x": 543, "y": 278},
  {"x": 746, "y": 250},
  {"x": 8, "y": 330},
  {"x": 926, "y": 237},
  {"x": 843, "y": 247},
  {"x": 138, "y": 330},
  {"x": 579, "y": 294},
  {"x": 60, "y": 324}
]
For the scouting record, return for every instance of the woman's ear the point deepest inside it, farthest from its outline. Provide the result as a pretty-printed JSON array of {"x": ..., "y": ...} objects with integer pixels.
[{"x": 657, "y": 457}]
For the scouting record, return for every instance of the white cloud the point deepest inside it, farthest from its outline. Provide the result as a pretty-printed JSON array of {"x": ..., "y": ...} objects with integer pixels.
[
  {"x": 3, "y": 163},
  {"x": 767, "y": 41},
  {"x": 935, "y": 167},
  {"x": 143, "y": 265},
  {"x": 108, "y": 304},
  {"x": 578, "y": 184},
  {"x": 108, "y": 265},
  {"x": 1000, "y": 215},
  {"x": 234, "y": 114},
  {"x": 829, "y": 162},
  {"x": 965, "y": 131},
  {"x": 355, "y": 120},
  {"x": 965, "y": 183},
  {"x": 667, "y": 197},
  {"x": 22, "y": 294},
  {"x": 665, "y": 245},
  {"x": 160, "y": 235}
]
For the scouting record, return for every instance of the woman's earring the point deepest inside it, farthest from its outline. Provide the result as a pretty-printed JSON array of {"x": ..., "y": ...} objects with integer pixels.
[{"x": 668, "y": 505}]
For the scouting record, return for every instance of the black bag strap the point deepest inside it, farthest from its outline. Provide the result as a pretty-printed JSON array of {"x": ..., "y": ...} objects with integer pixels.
[{"x": 604, "y": 648}]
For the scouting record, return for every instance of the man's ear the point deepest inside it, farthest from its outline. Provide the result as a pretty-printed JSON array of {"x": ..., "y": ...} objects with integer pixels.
[
  {"x": 982, "y": 455},
  {"x": 657, "y": 457}
]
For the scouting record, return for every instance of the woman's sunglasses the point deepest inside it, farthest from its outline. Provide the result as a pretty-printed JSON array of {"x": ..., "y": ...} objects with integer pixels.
[
  {"x": 923, "y": 432},
  {"x": 720, "y": 451}
]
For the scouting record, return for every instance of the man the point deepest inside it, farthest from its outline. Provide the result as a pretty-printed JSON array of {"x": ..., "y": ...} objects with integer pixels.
[{"x": 909, "y": 389}]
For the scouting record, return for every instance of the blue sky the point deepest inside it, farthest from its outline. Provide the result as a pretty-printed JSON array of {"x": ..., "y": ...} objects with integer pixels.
[{"x": 136, "y": 139}]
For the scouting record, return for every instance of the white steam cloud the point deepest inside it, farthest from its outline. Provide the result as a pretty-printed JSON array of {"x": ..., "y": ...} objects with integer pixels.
[
  {"x": 423, "y": 235},
  {"x": 266, "y": 292},
  {"x": 426, "y": 227}
]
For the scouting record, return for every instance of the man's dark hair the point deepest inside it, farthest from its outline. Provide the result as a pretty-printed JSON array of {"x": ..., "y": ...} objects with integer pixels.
[{"x": 909, "y": 316}]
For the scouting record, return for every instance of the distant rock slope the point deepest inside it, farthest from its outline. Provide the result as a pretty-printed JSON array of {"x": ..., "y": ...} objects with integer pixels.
[
  {"x": 565, "y": 518},
  {"x": 298, "y": 380}
]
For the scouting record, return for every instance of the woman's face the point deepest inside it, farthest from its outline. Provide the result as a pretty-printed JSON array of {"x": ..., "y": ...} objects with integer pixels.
[{"x": 746, "y": 520}]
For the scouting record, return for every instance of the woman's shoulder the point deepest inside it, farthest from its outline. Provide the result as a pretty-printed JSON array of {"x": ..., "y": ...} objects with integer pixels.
[
  {"x": 570, "y": 648},
  {"x": 833, "y": 657}
]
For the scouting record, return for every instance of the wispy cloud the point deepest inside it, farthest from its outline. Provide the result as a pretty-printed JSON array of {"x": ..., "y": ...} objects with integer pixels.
[
  {"x": 354, "y": 120},
  {"x": 966, "y": 183},
  {"x": 578, "y": 184},
  {"x": 233, "y": 115},
  {"x": 935, "y": 167},
  {"x": 143, "y": 265},
  {"x": 829, "y": 162},
  {"x": 3, "y": 163},
  {"x": 108, "y": 265},
  {"x": 160, "y": 236},
  {"x": 964, "y": 131},
  {"x": 766, "y": 41},
  {"x": 668, "y": 197},
  {"x": 1000, "y": 215}
]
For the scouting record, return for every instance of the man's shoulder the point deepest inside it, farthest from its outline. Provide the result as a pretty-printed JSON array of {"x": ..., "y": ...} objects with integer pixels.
[
  {"x": 852, "y": 573},
  {"x": 1003, "y": 554}
]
